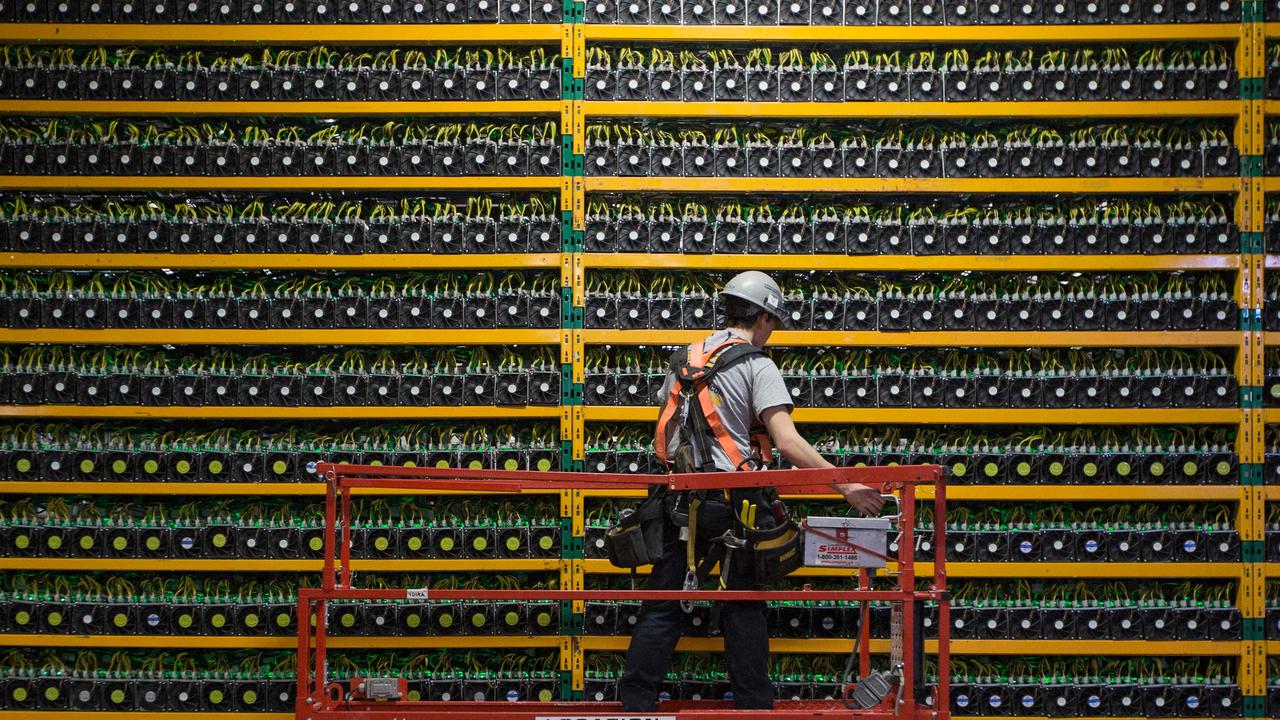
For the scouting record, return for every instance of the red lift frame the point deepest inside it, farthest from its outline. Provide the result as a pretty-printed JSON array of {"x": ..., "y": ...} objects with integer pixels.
[{"x": 319, "y": 699}]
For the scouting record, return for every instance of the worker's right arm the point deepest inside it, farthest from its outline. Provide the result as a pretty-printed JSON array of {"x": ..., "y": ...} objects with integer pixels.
[{"x": 798, "y": 451}]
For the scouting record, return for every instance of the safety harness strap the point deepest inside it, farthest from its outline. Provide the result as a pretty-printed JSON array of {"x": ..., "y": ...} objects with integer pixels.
[{"x": 693, "y": 369}]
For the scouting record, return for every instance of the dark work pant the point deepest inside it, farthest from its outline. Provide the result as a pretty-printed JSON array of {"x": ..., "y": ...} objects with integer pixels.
[{"x": 660, "y": 625}]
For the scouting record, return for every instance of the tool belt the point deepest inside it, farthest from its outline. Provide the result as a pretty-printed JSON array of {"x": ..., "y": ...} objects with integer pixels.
[
  {"x": 639, "y": 536},
  {"x": 776, "y": 552}
]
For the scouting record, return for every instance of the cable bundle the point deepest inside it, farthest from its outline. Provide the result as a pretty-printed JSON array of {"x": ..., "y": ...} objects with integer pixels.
[
  {"x": 277, "y": 74},
  {"x": 89, "y": 453},
  {"x": 88, "y": 681},
  {"x": 63, "y": 147},
  {"x": 995, "y": 378},
  {"x": 1166, "y": 72},
  {"x": 928, "y": 302},
  {"x": 942, "y": 226},
  {"x": 307, "y": 12},
  {"x": 466, "y": 376},
  {"x": 1129, "y": 150},
  {"x": 283, "y": 529},
  {"x": 901, "y": 12},
  {"x": 236, "y": 224},
  {"x": 140, "y": 300}
]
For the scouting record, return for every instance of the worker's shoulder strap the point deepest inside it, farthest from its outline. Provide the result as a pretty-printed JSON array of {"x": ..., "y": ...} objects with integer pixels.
[
  {"x": 693, "y": 368},
  {"x": 692, "y": 365}
]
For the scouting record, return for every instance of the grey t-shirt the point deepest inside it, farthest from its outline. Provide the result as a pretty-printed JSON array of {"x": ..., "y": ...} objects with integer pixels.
[{"x": 741, "y": 393}]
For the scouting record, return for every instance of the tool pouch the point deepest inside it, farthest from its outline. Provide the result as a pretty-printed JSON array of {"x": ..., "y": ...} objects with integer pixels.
[
  {"x": 776, "y": 551},
  {"x": 637, "y": 539}
]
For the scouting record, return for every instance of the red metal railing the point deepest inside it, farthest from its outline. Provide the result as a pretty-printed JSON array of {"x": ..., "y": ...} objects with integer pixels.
[{"x": 320, "y": 699}]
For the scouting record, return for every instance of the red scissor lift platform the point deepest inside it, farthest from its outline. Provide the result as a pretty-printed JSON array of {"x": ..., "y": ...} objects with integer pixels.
[{"x": 319, "y": 698}]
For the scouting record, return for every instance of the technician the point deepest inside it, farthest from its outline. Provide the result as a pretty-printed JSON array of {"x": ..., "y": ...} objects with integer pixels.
[{"x": 741, "y": 410}]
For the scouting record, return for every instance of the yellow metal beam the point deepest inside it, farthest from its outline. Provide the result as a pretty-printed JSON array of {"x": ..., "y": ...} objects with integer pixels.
[
  {"x": 298, "y": 489},
  {"x": 163, "y": 34},
  {"x": 400, "y": 182},
  {"x": 981, "y": 416},
  {"x": 933, "y": 339},
  {"x": 278, "y": 261},
  {"x": 962, "y": 647},
  {"x": 509, "y": 336},
  {"x": 1017, "y": 570},
  {"x": 1105, "y": 109},
  {"x": 913, "y": 34},
  {"x": 279, "y": 413},
  {"x": 232, "y": 566},
  {"x": 914, "y": 185},
  {"x": 1013, "y": 493},
  {"x": 180, "y": 108},
  {"x": 1007, "y": 263},
  {"x": 288, "y": 642},
  {"x": 1271, "y": 415}
]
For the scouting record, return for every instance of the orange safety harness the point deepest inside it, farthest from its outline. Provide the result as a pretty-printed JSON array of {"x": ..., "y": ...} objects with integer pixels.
[{"x": 693, "y": 369}]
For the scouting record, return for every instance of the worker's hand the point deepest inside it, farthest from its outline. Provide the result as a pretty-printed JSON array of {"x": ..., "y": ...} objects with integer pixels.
[{"x": 865, "y": 500}]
